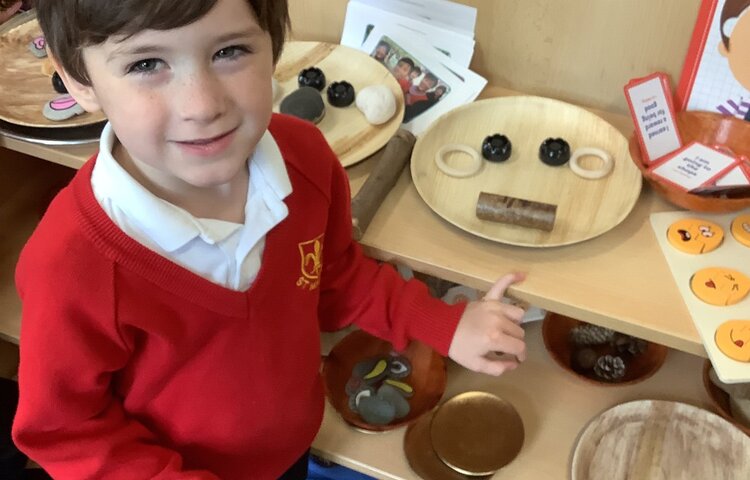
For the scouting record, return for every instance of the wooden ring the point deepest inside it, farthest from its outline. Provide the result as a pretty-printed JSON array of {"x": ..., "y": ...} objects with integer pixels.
[
  {"x": 455, "y": 172},
  {"x": 609, "y": 163}
]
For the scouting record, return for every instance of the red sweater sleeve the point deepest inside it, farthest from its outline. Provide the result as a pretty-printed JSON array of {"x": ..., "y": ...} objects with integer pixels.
[
  {"x": 68, "y": 419},
  {"x": 356, "y": 289}
]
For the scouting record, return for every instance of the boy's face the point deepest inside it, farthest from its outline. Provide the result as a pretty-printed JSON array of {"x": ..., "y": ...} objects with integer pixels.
[
  {"x": 738, "y": 54},
  {"x": 402, "y": 70},
  {"x": 190, "y": 104}
]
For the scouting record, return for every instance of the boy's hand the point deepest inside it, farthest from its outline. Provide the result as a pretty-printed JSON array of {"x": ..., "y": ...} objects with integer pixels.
[{"x": 489, "y": 327}]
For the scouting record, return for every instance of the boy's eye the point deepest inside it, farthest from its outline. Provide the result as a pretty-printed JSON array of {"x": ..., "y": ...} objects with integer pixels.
[
  {"x": 231, "y": 52},
  {"x": 149, "y": 65}
]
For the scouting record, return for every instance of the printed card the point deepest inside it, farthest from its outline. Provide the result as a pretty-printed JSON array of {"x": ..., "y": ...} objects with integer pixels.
[
  {"x": 694, "y": 166},
  {"x": 736, "y": 176},
  {"x": 650, "y": 102}
]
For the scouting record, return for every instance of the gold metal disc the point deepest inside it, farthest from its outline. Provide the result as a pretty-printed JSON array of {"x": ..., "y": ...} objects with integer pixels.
[
  {"x": 421, "y": 456},
  {"x": 476, "y": 433}
]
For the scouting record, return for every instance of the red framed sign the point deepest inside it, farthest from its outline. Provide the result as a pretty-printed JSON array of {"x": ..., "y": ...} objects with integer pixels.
[{"x": 716, "y": 74}]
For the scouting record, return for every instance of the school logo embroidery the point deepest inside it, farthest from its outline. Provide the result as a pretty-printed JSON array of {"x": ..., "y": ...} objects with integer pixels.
[{"x": 311, "y": 253}]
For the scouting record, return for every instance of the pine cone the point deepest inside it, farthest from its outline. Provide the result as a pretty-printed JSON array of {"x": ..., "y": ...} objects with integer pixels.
[
  {"x": 629, "y": 344},
  {"x": 587, "y": 334},
  {"x": 610, "y": 368}
]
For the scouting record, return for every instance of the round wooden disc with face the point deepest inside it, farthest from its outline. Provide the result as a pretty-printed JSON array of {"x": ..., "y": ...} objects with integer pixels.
[
  {"x": 695, "y": 236},
  {"x": 741, "y": 229},
  {"x": 720, "y": 286},
  {"x": 477, "y": 433},
  {"x": 422, "y": 457}
]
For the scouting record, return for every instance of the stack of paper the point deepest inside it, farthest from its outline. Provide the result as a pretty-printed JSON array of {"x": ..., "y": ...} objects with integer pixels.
[{"x": 426, "y": 44}]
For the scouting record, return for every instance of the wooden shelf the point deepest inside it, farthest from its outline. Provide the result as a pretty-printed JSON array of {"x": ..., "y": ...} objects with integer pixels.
[
  {"x": 554, "y": 405},
  {"x": 619, "y": 280},
  {"x": 25, "y": 185}
]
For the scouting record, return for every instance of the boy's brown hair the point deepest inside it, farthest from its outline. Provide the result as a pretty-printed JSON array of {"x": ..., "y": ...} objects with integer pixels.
[
  {"x": 732, "y": 9},
  {"x": 5, "y": 4},
  {"x": 71, "y": 25}
]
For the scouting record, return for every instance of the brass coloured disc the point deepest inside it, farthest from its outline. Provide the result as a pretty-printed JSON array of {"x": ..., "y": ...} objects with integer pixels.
[
  {"x": 477, "y": 433},
  {"x": 422, "y": 457}
]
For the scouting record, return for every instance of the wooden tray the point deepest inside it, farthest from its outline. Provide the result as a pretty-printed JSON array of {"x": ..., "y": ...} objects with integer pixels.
[
  {"x": 24, "y": 89},
  {"x": 586, "y": 208},
  {"x": 660, "y": 440},
  {"x": 707, "y": 318},
  {"x": 351, "y": 137}
]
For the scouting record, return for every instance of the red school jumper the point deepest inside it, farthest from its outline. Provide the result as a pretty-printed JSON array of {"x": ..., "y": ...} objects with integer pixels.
[{"x": 134, "y": 367}]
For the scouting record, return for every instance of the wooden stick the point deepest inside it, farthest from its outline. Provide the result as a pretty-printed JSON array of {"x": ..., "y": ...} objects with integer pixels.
[
  {"x": 391, "y": 160},
  {"x": 516, "y": 211}
]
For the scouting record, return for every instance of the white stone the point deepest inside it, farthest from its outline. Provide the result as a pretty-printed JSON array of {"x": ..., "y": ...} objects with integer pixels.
[{"x": 377, "y": 103}]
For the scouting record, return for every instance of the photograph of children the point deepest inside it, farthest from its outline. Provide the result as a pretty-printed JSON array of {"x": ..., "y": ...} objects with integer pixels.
[{"x": 422, "y": 88}]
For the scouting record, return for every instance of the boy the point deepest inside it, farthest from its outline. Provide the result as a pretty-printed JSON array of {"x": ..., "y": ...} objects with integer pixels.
[
  {"x": 402, "y": 71},
  {"x": 174, "y": 291}
]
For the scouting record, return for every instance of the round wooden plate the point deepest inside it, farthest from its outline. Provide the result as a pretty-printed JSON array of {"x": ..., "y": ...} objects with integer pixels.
[
  {"x": 24, "y": 89},
  {"x": 350, "y": 136},
  {"x": 660, "y": 440},
  {"x": 585, "y": 208}
]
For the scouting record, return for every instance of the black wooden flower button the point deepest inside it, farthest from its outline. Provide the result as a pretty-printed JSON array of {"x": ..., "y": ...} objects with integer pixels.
[
  {"x": 554, "y": 152},
  {"x": 340, "y": 94},
  {"x": 496, "y": 148},
  {"x": 312, "y": 77}
]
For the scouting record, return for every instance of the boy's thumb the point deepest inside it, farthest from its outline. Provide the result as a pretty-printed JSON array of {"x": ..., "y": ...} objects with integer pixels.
[{"x": 497, "y": 291}]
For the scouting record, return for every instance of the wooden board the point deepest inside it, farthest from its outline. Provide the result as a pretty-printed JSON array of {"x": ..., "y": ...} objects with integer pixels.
[
  {"x": 24, "y": 88},
  {"x": 660, "y": 440},
  {"x": 585, "y": 208},
  {"x": 351, "y": 137},
  {"x": 707, "y": 318}
]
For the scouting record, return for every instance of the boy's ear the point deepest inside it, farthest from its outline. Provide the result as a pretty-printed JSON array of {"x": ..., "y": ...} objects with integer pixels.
[{"x": 84, "y": 94}]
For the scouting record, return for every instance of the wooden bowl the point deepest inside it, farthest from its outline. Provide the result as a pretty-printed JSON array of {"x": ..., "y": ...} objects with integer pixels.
[
  {"x": 720, "y": 399},
  {"x": 555, "y": 332},
  {"x": 711, "y": 129},
  {"x": 428, "y": 376}
]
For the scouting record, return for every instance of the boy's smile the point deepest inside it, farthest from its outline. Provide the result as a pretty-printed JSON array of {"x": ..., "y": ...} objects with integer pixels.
[{"x": 188, "y": 105}]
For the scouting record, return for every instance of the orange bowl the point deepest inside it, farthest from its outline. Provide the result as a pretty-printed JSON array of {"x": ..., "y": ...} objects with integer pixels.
[
  {"x": 428, "y": 376},
  {"x": 720, "y": 399},
  {"x": 710, "y": 129},
  {"x": 556, "y": 334}
]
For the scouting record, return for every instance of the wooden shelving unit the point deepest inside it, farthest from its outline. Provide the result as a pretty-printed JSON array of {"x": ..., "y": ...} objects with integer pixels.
[
  {"x": 554, "y": 405},
  {"x": 26, "y": 185}
]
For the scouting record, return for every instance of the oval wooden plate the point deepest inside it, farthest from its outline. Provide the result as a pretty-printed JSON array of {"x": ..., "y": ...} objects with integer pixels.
[
  {"x": 24, "y": 88},
  {"x": 585, "y": 208},
  {"x": 660, "y": 440},
  {"x": 350, "y": 136}
]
